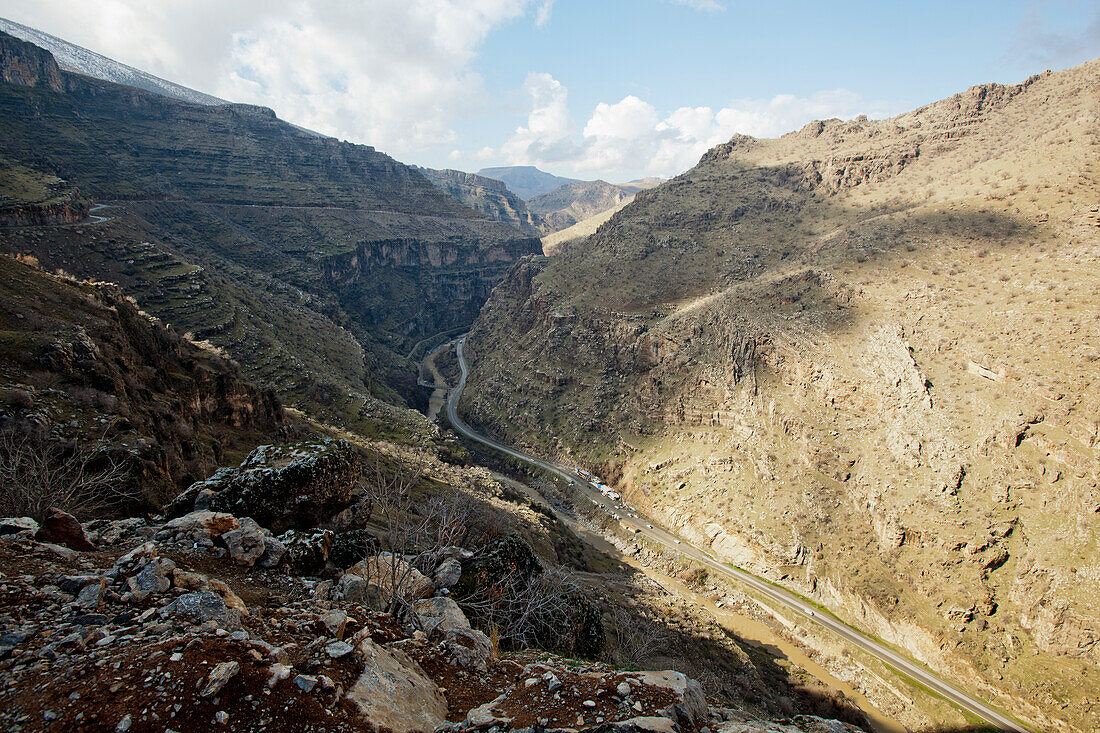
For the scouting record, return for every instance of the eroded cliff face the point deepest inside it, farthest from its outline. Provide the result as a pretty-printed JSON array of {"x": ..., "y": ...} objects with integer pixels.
[
  {"x": 81, "y": 363},
  {"x": 860, "y": 360},
  {"x": 487, "y": 196},
  {"x": 452, "y": 277},
  {"x": 51, "y": 214}
]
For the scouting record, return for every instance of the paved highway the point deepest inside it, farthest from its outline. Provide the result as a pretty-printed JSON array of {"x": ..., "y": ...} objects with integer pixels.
[{"x": 785, "y": 598}]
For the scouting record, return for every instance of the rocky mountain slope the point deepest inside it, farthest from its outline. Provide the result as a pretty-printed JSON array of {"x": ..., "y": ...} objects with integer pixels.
[
  {"x": 861, "y": 360},
  {"x": 526, "y": 181},
  {"x": 488, "y": 196},
  {"x": 317, "y": 263},
  {"x": 71, "y": 57},
  {"x": 83, "y": 369}
]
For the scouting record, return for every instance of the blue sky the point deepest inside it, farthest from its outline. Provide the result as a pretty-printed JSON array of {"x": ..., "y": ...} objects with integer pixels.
[{"x": 587, "y": 88}]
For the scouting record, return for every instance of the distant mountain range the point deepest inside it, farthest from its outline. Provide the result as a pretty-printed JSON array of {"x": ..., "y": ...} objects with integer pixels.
[
  {"x": 553, "y": 203},
  {"x": 526, "y": 181}
]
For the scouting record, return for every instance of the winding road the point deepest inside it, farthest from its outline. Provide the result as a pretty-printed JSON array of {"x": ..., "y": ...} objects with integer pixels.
[{"x": 785, "y": 598}]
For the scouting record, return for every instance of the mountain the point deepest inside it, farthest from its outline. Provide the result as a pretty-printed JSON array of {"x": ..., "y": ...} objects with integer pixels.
[
  {"x": 488, "y": 196},
  {"x": 557, "y": 242},
  {"x": 526, "y": 181},
  {"x": 572, "y": 202},
  {"x": 860, "y": 360},
  {"x": 81, "y": 360},
  {"x": 317, "y": 264},
  {"x": 71, "y": 57}
]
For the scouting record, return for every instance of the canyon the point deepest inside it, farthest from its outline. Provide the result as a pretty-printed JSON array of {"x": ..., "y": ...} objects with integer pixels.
[{"x": 859, "y": 360}]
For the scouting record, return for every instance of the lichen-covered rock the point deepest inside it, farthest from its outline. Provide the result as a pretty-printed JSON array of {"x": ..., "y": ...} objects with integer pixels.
[
  {"x": 351, "y": 546},
  {"x": 468, "y": 648},
  {"x": 246, "y": 543},
  {"x": 199, "y": 582},
  {"x": 447, "y": 573},
  {"x": 441, "y": 614},
  {"x": 274, "y": 551},
  {"x": 199, "y": 607},
  {"x": 356, "y": 589},
  {"x": 14, "y": 525},
  {"x": 196, "y": 526},
  {"x": 280, "y": 486},
  {"x": 690, "y": 708},
  {"x": 306, "y": 550}
]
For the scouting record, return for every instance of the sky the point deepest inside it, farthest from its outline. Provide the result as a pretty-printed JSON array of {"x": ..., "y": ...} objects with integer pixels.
[{"x": 612, "y": 89}]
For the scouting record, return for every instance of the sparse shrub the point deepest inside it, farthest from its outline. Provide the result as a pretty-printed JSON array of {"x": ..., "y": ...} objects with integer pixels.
[
  {"x": 37, "y": 473},
  {"x": 19, "y": 399}
]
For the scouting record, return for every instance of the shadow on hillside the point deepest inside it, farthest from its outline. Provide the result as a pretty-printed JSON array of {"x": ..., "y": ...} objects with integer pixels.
[{"x": 733, "y": 225}]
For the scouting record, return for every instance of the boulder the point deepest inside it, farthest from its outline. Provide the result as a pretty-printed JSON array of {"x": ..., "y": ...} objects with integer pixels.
[
  {"x": 151, "y": 578},
  {"x": 246, "y": 543},
  {"x": 199, "y": 582},
  {"x": 447, "y": 573},
  {"x": 196, "y": 526},
  {"x": 394, "y": 693},
  {"x": 306, "y": 551},
  {"x": 798, "y": 724},
  {"x": 62, "y": 528},
  {"x": 335, "y": 623},
  {"x": 144, "y": 572},
  {"x": 690, "y": 709},
  {"x": 219, "y": 677},
  {"x": 642, "y": 724},
  {"x": 14, "y": 525},
  {"x": 394, "y": 577},
  {"x": 281, "y": 487},
  {"x": 468, "y": 648},
  {"x": 351, "y": 546},
  {"x": 356, "y": 589},
  {"x": 274, "y": 551},
  {"x": 200, "y": 607},
  {"x": 441, "y": 614}
]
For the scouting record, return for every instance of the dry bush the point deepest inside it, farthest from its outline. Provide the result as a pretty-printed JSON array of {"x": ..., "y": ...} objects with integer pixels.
[
  {"x": 633, "y": 641},
  {"x": 526, "y": 612},
  {"x": 412, "y": 529},
  {"x": 37, "y": 473}
]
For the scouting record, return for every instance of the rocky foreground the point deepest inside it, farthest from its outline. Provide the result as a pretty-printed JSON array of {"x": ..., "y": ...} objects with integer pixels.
[{"x": 210, "y": 618}]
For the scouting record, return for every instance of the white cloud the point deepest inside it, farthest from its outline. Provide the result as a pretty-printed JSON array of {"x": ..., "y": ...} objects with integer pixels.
[
  {"x": 627, "y": 119},
  {"x": 630, "y": 138},
  {"x": 712, "y": 6},
  {"x": 549, "y": 123},
  {"x": 391, "y": 73},
  {"x": 542, "y": 14}
]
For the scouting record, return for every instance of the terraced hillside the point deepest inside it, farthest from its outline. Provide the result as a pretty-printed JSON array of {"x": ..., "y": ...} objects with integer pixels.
[
  {"x": 861, "y": 360},
  {"x": 317, "y": 263}
]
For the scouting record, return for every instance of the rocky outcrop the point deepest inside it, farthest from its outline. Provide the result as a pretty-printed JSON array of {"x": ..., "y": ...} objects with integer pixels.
[
  {"x": 173, "y": 406},
  {"x": 50, "y": 214},
  {"x": 394, "y": 693},
  {"x": 275, "y": 212},
  {"x": 28, "y": 65},
  {"x": 573, "y": 202},
  {"x": 284, "y": 486}
]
